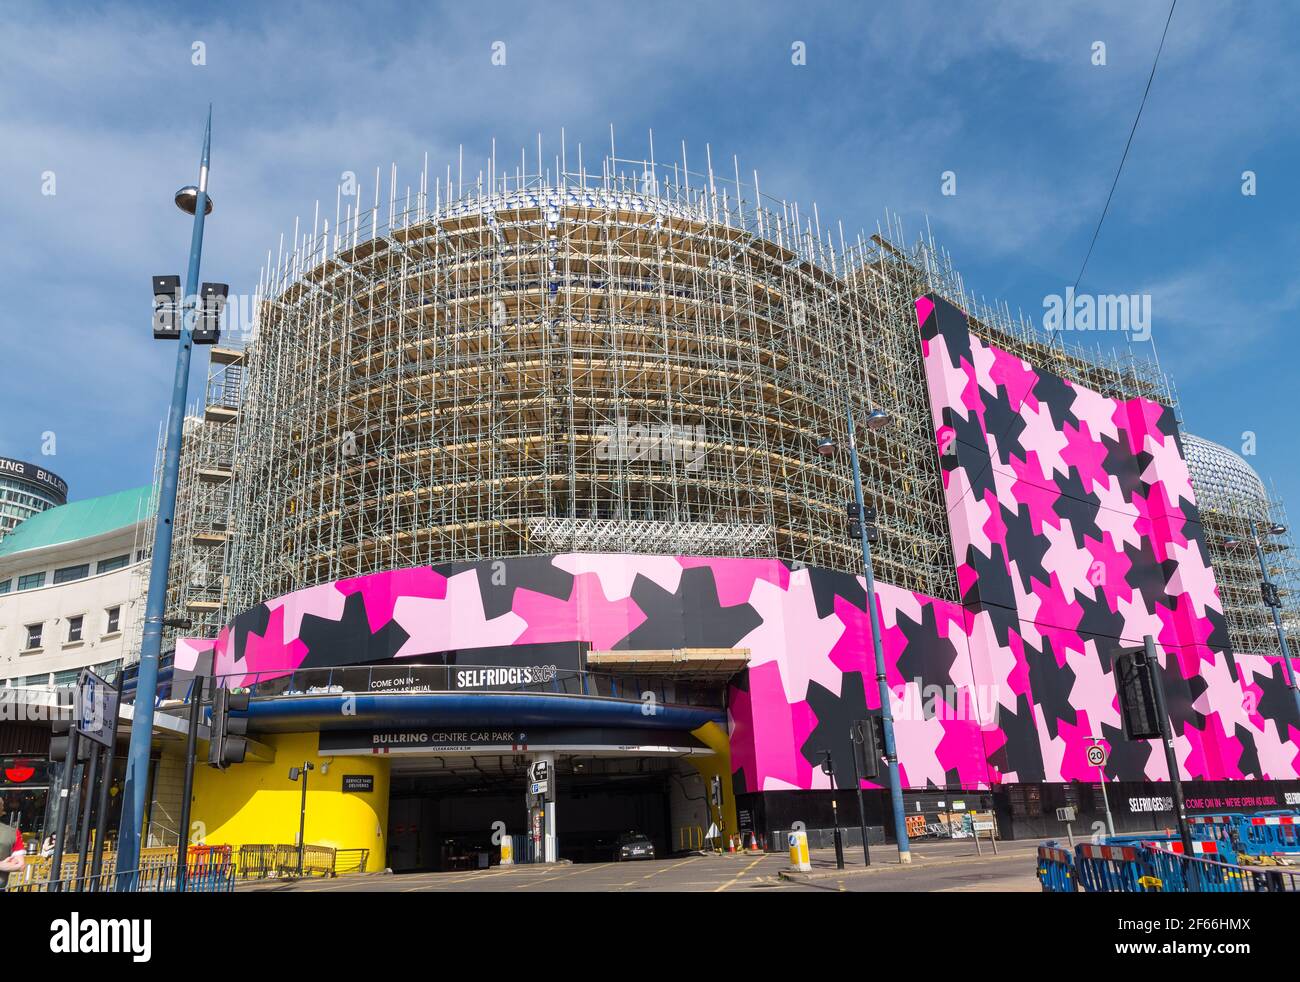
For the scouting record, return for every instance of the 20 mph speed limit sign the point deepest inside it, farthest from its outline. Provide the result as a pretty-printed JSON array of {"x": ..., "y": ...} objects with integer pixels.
[{"x": 1097, "y": 756}]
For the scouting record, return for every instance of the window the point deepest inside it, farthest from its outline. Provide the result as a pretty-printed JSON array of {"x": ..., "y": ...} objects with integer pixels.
[
  {"x": 108, "y": 565},
  {"x": 114, "y": 616},
  {"x": 5, "y": 585},
  {"x": 74, "y": 628},
  {"x": 34, "y": 636},
  {"x": 69, "y": 573},
  {"x": 68, "y": 677},
  {"x": 31, "y": 581}
]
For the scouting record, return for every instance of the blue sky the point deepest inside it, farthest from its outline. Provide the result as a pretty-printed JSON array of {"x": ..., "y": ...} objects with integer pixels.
[{"x": 892, "y": 95}]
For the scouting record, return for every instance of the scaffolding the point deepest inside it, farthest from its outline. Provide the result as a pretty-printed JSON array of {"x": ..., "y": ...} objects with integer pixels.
[
  {"x": 1236, "y": 509},
  {"x": 546, "y": 358}
]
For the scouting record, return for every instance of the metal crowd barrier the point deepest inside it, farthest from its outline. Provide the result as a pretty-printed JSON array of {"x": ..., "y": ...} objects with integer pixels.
[
  {"x": 260, "y": 861},
  {"x": 1056, "y": 869},
  {"x": 690, "y": 838},
  {"x": 206, "y": 877},
  {"x": 1268, "y": 834},
  {"x": 1156, "y": 867},
  {"x": 350, "y": 861}
]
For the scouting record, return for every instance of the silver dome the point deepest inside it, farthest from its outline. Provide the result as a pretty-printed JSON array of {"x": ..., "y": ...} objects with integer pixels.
[{"x": 1222, "y": 480}]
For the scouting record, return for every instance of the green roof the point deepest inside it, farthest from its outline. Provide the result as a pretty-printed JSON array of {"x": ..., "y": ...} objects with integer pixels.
[{"x": 78, "y": 520}]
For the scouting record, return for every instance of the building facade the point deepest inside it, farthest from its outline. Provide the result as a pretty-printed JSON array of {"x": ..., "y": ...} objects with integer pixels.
[
  {"x": 531, "y": 472},
  {"x": 69, "y": 578},
  {"x": 26, "y": 490}
]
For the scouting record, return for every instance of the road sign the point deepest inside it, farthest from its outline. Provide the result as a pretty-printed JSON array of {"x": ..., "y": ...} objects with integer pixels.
[
  {"x": 96, "y": 708},
  {"x": 541, "y": 780},
  {"x": 1065, "y": 814},
  {"x": 1097, "y": 756}
]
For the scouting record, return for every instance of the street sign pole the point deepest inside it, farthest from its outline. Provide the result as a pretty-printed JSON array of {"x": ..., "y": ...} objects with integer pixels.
[
  {"x": 1167, "y": 737},
  {"x": 1100, "y": 759},
  {"x": 859, "y": 740}
]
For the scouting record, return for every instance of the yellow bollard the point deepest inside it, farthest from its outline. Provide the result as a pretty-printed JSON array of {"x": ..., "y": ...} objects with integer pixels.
[{"x": 799, "y": 851}]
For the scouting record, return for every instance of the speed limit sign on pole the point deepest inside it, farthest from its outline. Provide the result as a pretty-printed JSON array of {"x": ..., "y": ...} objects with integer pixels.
[{"x": 1097, "y": 756}]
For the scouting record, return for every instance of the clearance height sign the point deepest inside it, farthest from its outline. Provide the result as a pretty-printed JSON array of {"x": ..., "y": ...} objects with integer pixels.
[{"x": 490, "y": 739}]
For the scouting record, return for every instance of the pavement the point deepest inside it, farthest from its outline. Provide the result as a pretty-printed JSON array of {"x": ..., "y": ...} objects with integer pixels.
[{"x": 948, "y": 866}]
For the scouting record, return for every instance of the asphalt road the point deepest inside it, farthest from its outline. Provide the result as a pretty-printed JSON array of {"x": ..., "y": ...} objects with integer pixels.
[{"x": 947, "y": 866}]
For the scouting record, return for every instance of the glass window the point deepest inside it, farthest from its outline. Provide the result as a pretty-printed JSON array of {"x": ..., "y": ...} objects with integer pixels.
[
  {"x": 72, "y": 573},
  {"x": 68, "y": 677},
  {"x": 108, "y": 565},
  {"x": 34, "y": 636},
  {"x": 31, "y": 581},
  {"x": 5, "y": 585},
  {"x": 114, "y": 618},
  {"x": 74, "y": 628}
]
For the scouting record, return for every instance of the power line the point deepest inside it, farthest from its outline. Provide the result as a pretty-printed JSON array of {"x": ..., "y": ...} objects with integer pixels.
[{"x": 1120, "y": 169}]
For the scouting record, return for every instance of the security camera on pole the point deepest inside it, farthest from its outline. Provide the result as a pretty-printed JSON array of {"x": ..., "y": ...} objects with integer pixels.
[{"x": 185, "y": 318}]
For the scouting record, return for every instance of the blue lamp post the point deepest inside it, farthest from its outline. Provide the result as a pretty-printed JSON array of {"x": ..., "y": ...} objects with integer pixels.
[
  {"x": 195, "y": 201},
  {"x": 876, "y": 419}
]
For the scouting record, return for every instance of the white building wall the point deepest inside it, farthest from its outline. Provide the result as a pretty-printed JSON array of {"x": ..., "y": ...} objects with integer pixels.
[{"x": 53, "y": 605}]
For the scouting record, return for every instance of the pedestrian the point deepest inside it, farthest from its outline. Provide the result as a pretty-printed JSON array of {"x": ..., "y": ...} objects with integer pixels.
[{"x": 13, "y": 853}]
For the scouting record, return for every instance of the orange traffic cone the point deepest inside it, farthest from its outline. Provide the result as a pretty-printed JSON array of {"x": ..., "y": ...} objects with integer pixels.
[
  {"x": 731, "y": 843},
  {"x": 753, "y": 843}
]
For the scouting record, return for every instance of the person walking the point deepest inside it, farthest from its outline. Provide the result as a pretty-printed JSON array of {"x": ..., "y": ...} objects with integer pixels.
[{"x": 13, "y": 853}]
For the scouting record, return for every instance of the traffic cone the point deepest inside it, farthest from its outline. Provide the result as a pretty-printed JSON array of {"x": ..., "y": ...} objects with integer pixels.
[
  {"x": 753, "y": 843},
  {"x": 731, "y": 844}
]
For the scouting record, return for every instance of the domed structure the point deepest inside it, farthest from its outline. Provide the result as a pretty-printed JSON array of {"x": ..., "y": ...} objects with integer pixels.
[
  {"x": 1222, "y": 480},
  {"x": 611, "y": 361}
]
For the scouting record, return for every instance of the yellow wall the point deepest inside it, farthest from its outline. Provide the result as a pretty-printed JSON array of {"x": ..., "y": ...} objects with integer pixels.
[
  {"x": 714, "y": 737},
  {"x": 257, "y": 803}
]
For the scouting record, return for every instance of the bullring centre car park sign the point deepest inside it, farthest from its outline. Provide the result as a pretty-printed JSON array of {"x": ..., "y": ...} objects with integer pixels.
[{"x": 488, "y": 739}]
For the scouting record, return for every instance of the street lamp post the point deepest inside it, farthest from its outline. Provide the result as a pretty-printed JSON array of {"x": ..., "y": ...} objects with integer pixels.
[
  {"x": 1268, "y": 588},
  {"x": 137, "y": 762},
  {"x": 875, "y": 420}
]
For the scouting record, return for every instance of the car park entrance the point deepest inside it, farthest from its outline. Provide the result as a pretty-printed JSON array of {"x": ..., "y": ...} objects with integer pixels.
[{"x": 451, "y": 803}]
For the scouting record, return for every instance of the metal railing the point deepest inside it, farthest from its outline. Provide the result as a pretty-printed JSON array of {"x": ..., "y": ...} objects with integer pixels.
[
  {"x": 690, "y": 838},
  {"x": 199, "y": 878}
]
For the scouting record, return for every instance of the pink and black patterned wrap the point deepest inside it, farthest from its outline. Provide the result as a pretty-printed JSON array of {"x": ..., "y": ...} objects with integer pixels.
[{"x": 1075, "y": 532}]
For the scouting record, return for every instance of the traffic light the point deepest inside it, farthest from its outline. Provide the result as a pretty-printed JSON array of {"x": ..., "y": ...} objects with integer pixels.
[
  {"x": 860, "y": 518},
  {"x": 61, "y": 736},
  {"x": 1137, "y": 695},
  {"x": 227, "y": 743},
  {"x": 869, "y": 745},
  {"x": 166, "y": 308},
  {"x": 212, "y": 298},
  {"x": 1269, "y": 592},
  {"x": 61, "y": 739}
]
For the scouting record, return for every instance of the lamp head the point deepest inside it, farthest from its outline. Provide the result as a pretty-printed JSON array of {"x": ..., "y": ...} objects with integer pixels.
[
  {"x": 187, "y": 199},
  {"x": 877, "y": 419}
]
